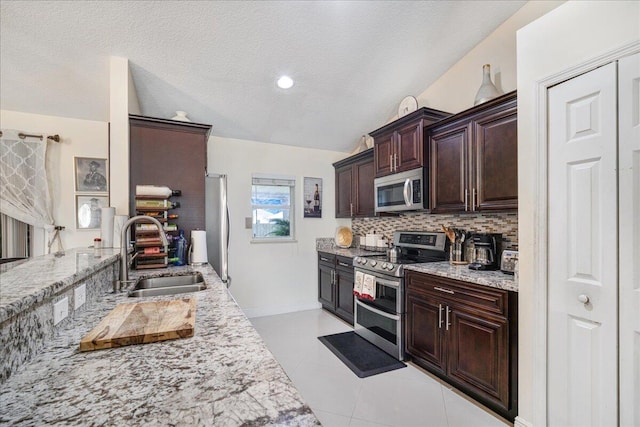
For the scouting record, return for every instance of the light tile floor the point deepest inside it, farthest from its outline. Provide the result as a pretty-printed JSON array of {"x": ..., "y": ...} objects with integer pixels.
[{"x": 404, "y": 397}]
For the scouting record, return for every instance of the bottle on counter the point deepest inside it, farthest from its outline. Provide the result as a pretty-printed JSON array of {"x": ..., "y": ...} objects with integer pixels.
[
  {"x": 181, "y": 249},
  {"x": 97, "y": 245}
]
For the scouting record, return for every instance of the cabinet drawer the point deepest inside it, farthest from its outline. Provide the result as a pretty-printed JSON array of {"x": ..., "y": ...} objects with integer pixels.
[
  {"x": 326, "y": 257},
  {"x": 463, "y": 294},
  {"x": 344, "y": 263}
]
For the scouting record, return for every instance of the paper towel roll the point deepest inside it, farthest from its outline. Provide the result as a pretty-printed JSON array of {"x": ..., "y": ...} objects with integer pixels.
[
  {"x": 198, "y": 247},
  {"x": 118, "y": 223},
  {"x": 106, "y": 227}
]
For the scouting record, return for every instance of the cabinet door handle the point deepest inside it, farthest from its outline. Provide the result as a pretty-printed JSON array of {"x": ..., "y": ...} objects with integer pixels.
[
  {"x": 473, "y": 200},
  {"x": 391, "y": 162},
  {"x": 324, "y": 259},
  {"x": 439, "y": 316},
  {"x": 466, "y": 199},
  {"x": 351, "y": 209},
  {"x": 333, "y": 277},
  {"x": 343, "y": 264},
  {"x": 395, "y": 162},
  {"x": 447, "y": 291},
  {"x": 448, "y": 311}
]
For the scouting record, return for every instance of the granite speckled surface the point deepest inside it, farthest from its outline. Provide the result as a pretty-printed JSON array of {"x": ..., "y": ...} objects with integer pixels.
[
  {"x": 327, "y": 244},
  {"x": 41, "y": 277},
  {"x": 493, "y": 279},
  {"x": 224, "y": 375}
]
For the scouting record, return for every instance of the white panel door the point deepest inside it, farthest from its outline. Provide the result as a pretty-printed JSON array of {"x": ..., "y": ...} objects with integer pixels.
[
  {"x": 629, "y": 202},
  {"x": 583, "y": 280}
]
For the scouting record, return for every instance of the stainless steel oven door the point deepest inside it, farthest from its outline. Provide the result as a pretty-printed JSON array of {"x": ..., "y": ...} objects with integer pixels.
[
  {"x": 389, "y": 297},
  {"x": 382, "y": 329}
]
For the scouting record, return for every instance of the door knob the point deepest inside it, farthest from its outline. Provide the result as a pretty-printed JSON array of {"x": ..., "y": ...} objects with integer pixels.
[{"x": 583, "y": 298}]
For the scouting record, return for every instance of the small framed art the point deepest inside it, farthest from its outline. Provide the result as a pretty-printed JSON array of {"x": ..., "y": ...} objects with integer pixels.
[
  {"x": 91, "y": 175},
  {"x": 88, "y": 210}
]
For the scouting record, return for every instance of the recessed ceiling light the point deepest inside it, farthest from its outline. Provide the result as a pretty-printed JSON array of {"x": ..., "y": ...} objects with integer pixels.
[{"x": 285, "y": 82}]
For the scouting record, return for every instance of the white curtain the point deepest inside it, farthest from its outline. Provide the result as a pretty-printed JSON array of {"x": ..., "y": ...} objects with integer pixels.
[{"x": 24, "y": 188}]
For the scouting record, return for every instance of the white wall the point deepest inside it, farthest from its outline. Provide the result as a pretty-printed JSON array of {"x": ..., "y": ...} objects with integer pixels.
[
  {"x": 567, "y": 36},
  {"x": 271, "y": 278},
  {"x": 79, "y": 138},
  {"x": 120, "y": 101},
  {"x": 456, "y": 89}
]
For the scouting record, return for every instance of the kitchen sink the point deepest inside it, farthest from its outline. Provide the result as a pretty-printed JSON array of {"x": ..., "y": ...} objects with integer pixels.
[{"x": 168, "y": 285}]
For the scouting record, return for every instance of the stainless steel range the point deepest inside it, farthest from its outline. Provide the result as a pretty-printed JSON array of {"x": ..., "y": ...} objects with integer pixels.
[{"x": 381, "y": 320}]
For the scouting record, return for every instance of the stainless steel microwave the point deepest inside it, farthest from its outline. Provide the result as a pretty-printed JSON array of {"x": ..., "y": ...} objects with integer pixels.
[{"x": 402, "y": 191}]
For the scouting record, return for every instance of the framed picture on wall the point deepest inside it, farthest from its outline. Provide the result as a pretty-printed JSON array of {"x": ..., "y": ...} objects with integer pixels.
[
  {"x": 312, "y": 197},
  {"x": 91, "y": 175},
  {"x": 88, "y": 213}
]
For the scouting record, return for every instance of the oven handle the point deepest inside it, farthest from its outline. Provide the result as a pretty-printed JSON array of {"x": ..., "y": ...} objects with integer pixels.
[
  {"x": 407, "y": 201},
  {"x": 380, "y": 280},
  {"x": 376, "y": 311}
]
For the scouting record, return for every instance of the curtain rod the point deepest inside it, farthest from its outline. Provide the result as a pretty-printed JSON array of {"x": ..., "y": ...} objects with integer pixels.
[{"x": 21, "y": 135}]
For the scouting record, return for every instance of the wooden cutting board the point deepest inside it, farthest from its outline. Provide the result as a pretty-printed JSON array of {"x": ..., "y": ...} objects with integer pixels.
[{"x": 141, "y": 323}]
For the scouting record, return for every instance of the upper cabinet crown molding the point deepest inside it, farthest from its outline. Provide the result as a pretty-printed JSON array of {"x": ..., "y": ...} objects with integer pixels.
[
  {"x": 174, "y": 125},
  {"x": 399, "y": 145}
]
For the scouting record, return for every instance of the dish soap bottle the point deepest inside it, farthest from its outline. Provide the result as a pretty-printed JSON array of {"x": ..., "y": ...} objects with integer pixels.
[{"x": 181, "y": 249}]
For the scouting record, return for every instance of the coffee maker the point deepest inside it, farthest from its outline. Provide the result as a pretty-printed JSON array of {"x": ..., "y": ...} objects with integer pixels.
[{"x": 487, "y": 250}]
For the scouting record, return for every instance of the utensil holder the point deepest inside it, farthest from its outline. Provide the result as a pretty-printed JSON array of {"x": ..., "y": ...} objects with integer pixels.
[{"x": 455, "y": 253}]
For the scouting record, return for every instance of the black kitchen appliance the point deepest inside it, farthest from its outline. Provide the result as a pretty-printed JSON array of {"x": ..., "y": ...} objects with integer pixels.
[{"x": 487, "y": 250}]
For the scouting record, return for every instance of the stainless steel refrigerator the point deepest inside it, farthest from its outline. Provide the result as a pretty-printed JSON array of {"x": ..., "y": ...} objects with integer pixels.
[{"x": 217, "y": 225}]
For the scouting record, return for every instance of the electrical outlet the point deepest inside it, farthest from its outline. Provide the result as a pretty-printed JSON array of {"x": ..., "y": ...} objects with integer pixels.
[
  {"x": 79, "y": 296},
  {"x": 248, "y": 222},
  {"x": 60, "y": 310}
]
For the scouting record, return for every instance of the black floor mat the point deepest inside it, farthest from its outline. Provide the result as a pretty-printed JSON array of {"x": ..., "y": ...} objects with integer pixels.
[{"x": 362, "y": 357}]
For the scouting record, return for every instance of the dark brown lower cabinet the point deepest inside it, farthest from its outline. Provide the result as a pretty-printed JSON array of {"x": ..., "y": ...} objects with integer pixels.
[
  {"x": 335, "y": 285},
  {"x": 465, "y": 334}
]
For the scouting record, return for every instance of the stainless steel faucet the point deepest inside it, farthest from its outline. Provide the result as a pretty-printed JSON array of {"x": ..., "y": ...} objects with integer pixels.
[{"x": 124, "y": 249}]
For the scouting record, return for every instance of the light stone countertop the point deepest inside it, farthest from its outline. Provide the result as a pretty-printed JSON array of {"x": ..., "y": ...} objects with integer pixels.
[
  {"x": 28, "y": 282},
  {"x": 223, "y": 375},
  {"x": 493, "y": 279},
  {"x": 327, "y": 244}
]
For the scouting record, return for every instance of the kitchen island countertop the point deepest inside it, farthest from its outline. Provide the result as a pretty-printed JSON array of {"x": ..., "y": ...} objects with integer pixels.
[{"x": 224, "y": 375}]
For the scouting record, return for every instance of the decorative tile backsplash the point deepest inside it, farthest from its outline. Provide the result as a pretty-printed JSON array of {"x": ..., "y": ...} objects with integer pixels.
[{"x": 504, "y": 223}]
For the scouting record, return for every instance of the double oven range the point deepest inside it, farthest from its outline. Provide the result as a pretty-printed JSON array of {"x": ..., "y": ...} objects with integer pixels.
[{"x": 381, "y": 321}]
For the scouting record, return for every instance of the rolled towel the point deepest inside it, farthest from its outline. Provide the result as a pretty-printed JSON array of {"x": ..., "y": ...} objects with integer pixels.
[{"x": 155, "y": 190}]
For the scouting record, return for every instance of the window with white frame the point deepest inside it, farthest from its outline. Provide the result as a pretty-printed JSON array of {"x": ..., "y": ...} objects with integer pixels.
[{"x": 272, "y": 204}]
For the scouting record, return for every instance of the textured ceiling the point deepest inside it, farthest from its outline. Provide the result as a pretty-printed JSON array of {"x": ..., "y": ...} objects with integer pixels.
[{"x": 352, "y": 61}]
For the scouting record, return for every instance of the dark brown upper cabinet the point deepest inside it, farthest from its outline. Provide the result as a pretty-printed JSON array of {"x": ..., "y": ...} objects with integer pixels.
[
  {"x": 399, "y": 145},
  {"x": 354, "y": 186},
  {"x": 173, "y": 154},
  {"x": 474, "y": 159}
]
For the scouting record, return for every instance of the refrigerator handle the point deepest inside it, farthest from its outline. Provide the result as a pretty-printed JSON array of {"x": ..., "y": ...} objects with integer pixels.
[{"x": 225, "y": 238}]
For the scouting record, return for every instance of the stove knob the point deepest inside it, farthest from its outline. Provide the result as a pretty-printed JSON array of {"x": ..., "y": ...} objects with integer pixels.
[
  {"x": 390, "y": 267},
  {"x": 363, "y": 261},
  {"x": 384, "y": 265},
  {"x": 373, "y": 263}
]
